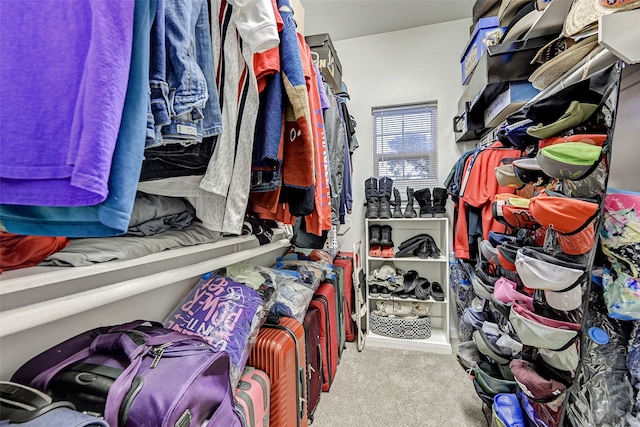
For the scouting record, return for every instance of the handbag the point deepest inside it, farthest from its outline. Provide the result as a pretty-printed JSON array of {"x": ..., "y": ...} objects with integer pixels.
[{"x": 137, "y": 374}]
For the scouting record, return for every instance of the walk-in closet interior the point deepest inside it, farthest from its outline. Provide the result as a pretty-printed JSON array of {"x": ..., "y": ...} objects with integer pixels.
[{"x": 347, "y": 213}]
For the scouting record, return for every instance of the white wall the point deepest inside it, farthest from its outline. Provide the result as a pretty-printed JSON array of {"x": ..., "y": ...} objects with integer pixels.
[{"x": 415, "y": 65}]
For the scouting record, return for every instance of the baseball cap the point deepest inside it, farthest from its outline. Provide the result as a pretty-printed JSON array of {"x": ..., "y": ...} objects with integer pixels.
[{"x": 569, "y": 160}]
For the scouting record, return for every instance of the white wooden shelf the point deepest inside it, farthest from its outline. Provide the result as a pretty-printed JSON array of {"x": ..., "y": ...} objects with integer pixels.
[
  {"x": 436, "y": 269},
  {"x": 41, "y": 276},
  {"x": 394, "y": 298},
  {"x": 620, "y": 34},
  {"x": 409, "y": 259},
  {"x": 438, "y": 342},
  {"x": 407, "y": 219}
]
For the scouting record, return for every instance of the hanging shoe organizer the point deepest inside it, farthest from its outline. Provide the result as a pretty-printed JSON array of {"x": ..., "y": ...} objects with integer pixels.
[{"x": 526, "y": 305}]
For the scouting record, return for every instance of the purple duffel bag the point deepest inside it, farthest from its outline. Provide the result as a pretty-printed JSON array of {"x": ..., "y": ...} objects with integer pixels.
[{"x": 138, "y": 374}]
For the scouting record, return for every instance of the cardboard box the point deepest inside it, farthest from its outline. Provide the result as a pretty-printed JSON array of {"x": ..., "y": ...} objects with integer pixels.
[
  {"x": 487, "y": 32},
  {"x": 515, "y": 96},
  {"x": 328, "y": 61}
]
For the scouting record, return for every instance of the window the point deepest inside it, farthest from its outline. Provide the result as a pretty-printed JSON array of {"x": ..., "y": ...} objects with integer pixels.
[{"x": 405, "y": 145}]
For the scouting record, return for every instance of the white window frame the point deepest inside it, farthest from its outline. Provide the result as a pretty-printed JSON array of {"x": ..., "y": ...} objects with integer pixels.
[{"x": 400, "y": 124}]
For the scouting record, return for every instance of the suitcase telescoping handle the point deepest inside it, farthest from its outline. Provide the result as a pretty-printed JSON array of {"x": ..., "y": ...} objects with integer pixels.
[{"x": 124, "y": 339}]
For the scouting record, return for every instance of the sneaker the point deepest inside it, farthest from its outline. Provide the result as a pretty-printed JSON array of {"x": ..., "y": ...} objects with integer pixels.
[
  {"x": 385, "y": 292},
  {"x": 374, "y": 290}
]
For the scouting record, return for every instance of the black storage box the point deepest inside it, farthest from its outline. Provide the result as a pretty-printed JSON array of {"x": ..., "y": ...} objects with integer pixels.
[
  {"x": 501, "y": 69},
  {"x": 501, "y": 64},
  {"x": 328, "y": 61},
  {"x": 468, "y": 125}
]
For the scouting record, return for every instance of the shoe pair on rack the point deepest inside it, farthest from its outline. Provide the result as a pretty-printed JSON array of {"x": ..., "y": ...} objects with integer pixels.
[
  {"x": 411, "y": 281},
  {"x": 426, "y": 289},
  {"x": 381, "y": 288},
  {"x": 418, "y": 287},
  {"x": 423, "y": 246},
  {"x": 380, "y": 242},
  {"x": 377, "y": 194},
  {"x": 378, "y": 200},
  {"x": 409, "y": 211},
  {"x": 432, "y": 203}
]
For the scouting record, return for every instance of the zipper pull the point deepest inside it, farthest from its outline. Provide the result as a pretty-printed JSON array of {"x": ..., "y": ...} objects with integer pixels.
[{"x": 158, "y": 352}]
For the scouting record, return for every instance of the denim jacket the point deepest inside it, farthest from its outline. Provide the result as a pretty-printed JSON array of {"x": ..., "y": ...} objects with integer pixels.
[
  {"x": 193, "y": 102},
  {"x": 158, "y": 107}
]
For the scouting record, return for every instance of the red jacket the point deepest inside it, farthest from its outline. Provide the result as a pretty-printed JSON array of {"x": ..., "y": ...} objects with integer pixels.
[{"x": 481, "y": 187}]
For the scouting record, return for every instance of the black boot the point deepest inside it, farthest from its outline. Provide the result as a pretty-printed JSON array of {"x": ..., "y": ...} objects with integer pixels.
[
  {"x": 385, "y": 236},
  {"x": 397, "y": 205},
  {"x": 423, "y": 197},
  {"x": 409, "y": 211},
  {"x": 372, "y": 200},
  {"x": 434, "y": 250},
  {"x": 386, "y": 243},
  {"x": 374, "y": 235},
  {"x": 440, "y": 197},
  {"x": 385, "y": 186}
]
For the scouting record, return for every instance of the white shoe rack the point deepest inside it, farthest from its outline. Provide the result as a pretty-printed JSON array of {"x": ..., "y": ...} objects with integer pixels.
[{"x": 433, "y": 269}]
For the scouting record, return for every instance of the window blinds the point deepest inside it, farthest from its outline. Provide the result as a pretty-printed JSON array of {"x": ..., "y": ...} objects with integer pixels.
[{"x": 405, "y": 145}]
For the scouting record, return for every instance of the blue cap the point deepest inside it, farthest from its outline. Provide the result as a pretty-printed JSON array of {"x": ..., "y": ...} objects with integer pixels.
[
  {"x": 599, "y": 335},
  {"x": 207, "y": 275}
]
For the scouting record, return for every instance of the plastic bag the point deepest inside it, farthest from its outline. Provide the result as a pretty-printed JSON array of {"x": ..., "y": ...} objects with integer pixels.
[
  {"x": 293, "y": 296},
  {"x": 225, "y": 313}
]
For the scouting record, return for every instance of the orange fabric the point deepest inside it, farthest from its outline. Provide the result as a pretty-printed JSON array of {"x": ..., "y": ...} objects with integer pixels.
[
  {"x": 504, "y": 262},
  {"x": 268, "y": 63},
  {"x": 518, "y": 217},
  {"x": 505, "y": 197},
  {"x": 298, "y": 157},
  {"x": 481, "y": 188},
  {"x": 267, "y": 201},
  {"x": 320, "y": 219},
  {"x": 265, "y": 206},
  {"x": 593, "y": 139},
  {"x": 565, "y": 214},
  {"x": 19, "y": 251},
  {"x": 579, "y": 243}
]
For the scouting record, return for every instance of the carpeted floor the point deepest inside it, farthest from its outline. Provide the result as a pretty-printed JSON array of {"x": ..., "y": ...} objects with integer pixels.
[{"x": 399, "y": 388}]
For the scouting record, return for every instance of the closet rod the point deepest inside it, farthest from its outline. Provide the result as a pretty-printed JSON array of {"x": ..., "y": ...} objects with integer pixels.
[{"x": 30, "y": 316}]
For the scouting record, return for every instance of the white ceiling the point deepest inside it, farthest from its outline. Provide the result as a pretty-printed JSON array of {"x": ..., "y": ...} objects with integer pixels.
[{"x": 345, "y": 19}]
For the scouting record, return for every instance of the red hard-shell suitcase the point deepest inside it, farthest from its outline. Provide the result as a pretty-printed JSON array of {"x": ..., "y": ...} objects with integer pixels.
[
  {"x": 252, "y": 397},
  {"x": 324, "y": 301},
  {"x": 345, "y": 260},
  {"x": 280, "y": 351},
  {"x": 314, "y": 359}
]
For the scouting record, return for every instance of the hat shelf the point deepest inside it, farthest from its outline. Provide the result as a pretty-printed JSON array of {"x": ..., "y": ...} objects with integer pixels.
[
  {"x": 434, "y": 269},
  {"x": 493, "y": 77},
  {"x": 550, "y": 21},
  {"x": 615, "y": 30}
]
